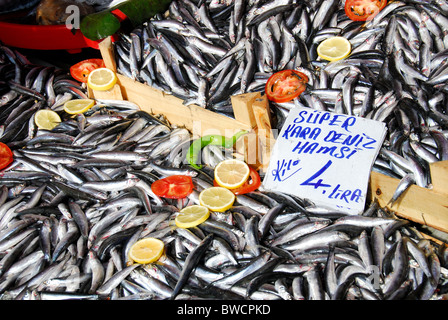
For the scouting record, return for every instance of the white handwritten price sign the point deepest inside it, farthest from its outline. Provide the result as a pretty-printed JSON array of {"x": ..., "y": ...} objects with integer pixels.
[{"x": 325, "y": 157}]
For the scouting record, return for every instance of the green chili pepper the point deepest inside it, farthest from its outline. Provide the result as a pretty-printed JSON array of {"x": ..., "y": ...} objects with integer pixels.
[{"x": 196, "y": 146}]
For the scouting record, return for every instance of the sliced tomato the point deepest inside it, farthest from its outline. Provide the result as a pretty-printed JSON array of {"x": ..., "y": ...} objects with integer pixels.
[
  {"x": 6, "y": 156},
  {"x": 363, "y": 10},
  {"x": 173, "y": 187},
  {"x": 285, "y": 85},
  {"x": 81, "y": 70},
  {"x": 252, "y": 183}
]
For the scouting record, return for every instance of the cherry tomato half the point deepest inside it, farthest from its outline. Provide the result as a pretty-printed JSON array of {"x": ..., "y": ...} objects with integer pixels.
[
  {"x": 81, "y": 70},
  {"x": 6, "y": 156},
  {"x": 363, "y": 10},
  {"x": 285, "y": 85},
  {"x": 252, "y": 183},
  {"x": 173, "y": 187}
]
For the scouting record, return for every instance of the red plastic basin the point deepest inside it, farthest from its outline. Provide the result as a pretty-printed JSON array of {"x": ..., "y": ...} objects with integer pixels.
[{"x": 39, "y": 37}]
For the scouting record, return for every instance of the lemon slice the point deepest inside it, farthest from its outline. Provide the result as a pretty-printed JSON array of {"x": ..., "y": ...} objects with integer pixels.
[
  {"x": 334, "y": 48},
  {"x": 146, "y": 250},
  {"x": 191, "y": 216},
  {"x": 231, "y": 173},
  {"x": 217, "y": 198},
  {"x": 77, "y": 106},
  {"x": 101, "y": 79},
  {"x": 46, "y": 119}
]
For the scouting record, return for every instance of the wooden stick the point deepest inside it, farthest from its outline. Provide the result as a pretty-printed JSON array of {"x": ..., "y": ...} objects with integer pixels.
[
  {"x": 266, "y": 137},
  {"x": 108, "y": 53},
  {"x": 439, "y": 176},
  {"x": 112, "y": 94},
  {"x": 421, "y": 205},
  {"x": 242, "y": 107},
  {"x": 198, "y": 120}
]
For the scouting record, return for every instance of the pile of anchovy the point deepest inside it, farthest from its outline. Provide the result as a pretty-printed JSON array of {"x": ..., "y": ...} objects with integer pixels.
[
  {"x": 76, "y": 198},
  {"x": 206, "y": 51}
]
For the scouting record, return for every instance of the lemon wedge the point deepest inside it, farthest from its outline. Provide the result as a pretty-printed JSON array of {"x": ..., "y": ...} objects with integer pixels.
[
  {"x": 191, "y": 216},
  {"x": 146, "y": 250},
  {"x": 334, "y": 48},
  {"x": 101, "y": 79},
  {"x": 231, "y": 173},
  {"x": 217, "y": 199},
  {"x": 77, "y": 106},
  {"x": 46, "y": 119}
]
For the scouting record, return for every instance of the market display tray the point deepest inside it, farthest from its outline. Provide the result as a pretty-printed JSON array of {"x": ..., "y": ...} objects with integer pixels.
[
  {"x": 422, "y": 205},
  {"x": 426, "y": 206}
]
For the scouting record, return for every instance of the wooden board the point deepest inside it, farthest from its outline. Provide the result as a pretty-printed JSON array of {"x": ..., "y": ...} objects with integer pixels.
[
  {"x": 112, "y": 94},
  {"x": 242, "y": 107},
  {"x": 253, "y": 108},
  {"x": 439, "y": 176},
  {"x": 198, "y": 120},
  {"x": 108, "y": 53},
  {"x": 264, "y": 131},
  {"x": 422, "y": 205}
]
